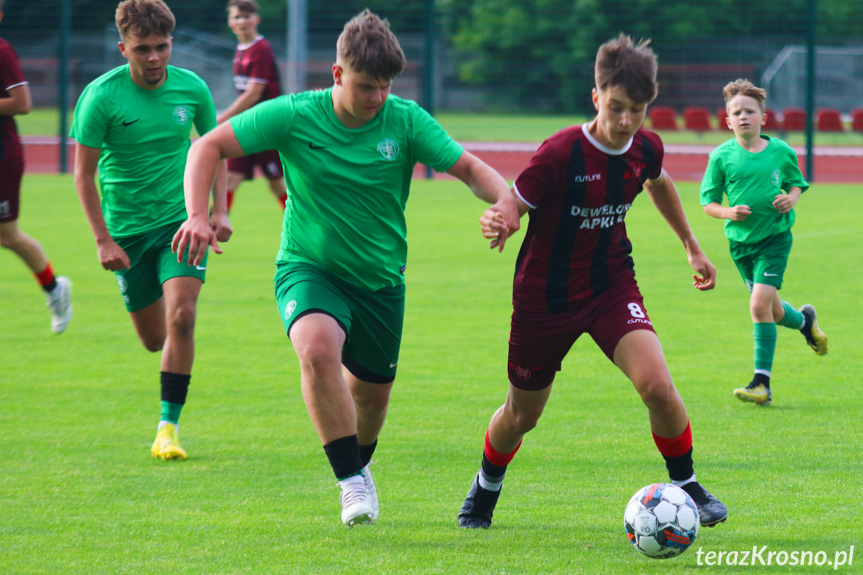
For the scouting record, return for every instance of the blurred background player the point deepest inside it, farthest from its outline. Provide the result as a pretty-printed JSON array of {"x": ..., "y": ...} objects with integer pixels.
[
  {"x": 133, "y": 124},
  {"x": 762, "y": 181},
  {"x": 575, "y": 275},
  {"x": 257, "y": 80},
  {"x": 15, "y": 100},
  {"x": 349, "y": 153}
]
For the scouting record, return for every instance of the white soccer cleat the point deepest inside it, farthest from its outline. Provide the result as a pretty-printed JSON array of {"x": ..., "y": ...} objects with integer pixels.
[
  {"x": 372, "y": 492},
  {"x": 356, "y": 508},
  {"x": 59, "y": 302}
]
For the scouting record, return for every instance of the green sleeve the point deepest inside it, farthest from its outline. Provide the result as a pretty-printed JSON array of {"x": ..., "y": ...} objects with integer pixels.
[
  {"x": 432, "y": 145},
  {"x": 791, "y": 175},
  {"x": 205, "y": 118},
  {"x": 262, "y": 127},
  {"x": 713, "y": 183},
  {"x": 90, "y": 119}
]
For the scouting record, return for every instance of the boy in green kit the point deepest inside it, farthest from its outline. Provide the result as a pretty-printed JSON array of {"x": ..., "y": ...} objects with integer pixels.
[
  {"x": 133, "y": 125},
  {"x": 762, "y": 181},
  {"x": 349, "y": 153}
]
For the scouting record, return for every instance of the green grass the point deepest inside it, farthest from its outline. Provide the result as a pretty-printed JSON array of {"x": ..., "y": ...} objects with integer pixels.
[
  {"x": 79, "y": 492},
  {"x": 498, "y": 128}
]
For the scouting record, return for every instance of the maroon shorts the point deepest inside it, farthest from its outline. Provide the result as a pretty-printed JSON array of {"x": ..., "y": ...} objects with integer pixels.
[
  {"x": 269, "y": 162},
  {"x": 11, "y": 172},
  {"x": 538, "y": 342}
]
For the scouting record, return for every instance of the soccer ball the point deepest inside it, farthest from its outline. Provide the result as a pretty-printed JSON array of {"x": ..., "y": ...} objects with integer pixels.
[{"x": 661, "y": 520}]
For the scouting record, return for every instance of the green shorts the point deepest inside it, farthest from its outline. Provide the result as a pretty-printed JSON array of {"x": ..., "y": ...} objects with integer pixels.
[
  {"x": 764, "y": 262},
  {"x": 372, "y": 321},
  {"x": 151, "y": 264}
]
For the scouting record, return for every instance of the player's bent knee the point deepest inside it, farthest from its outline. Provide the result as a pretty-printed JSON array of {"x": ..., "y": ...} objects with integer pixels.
[{"x": 656, "y": 392}]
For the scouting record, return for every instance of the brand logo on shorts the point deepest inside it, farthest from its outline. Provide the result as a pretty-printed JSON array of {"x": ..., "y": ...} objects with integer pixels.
[
  {"x": 5, "y": 210},
  {"x": 290, "y": 308},
  {"x": 388, "y": 150},
  {"x": 121, "y": 281},
  {"x": 182, "y": 114},
  {"x": 776, "y": 178}
]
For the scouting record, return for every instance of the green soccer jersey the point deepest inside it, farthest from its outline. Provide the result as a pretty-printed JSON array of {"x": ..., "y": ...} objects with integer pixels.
[
  {"x": 144, "y": 138},
  {"x": 347, "y": 188},
  {"x": 752, "y": 179}
]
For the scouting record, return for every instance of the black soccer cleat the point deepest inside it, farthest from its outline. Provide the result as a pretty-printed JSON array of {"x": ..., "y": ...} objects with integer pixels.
[
  {"x": 711, "y": 511},
  {"x": 478, "y": 507},
  {"x": 815, "y": 337}
]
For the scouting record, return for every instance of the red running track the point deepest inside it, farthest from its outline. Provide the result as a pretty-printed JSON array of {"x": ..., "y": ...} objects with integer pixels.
[{"x": 684, "y": 163}]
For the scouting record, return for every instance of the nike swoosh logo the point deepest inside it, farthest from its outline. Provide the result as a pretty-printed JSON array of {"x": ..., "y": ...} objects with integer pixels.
[
  {"x": 767, "y": 275},
  {"x": 125, "y": 123},
  {"x": 393, "y": 364},
  {"x": 313, "y": 146},
  {"x": 202, "y": 268}
]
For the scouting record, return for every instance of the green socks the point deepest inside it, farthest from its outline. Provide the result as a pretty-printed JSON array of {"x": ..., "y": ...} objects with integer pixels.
[
  {"x": 792, "y": 319},
  {"x": 171, "y": 412},
  {"x": 764, "y": 335}
]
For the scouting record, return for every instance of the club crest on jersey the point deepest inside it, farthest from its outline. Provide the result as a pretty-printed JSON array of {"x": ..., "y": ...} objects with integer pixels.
[
  {"x": 636, "y": 172},
  {"x": 182, "y": 114},
  {"x": 776, "y": 178},
  {"x": 388, "y": 150}
]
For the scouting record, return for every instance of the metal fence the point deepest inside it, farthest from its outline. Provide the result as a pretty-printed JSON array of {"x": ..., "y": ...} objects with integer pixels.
[{"x": 502, "y": 56}]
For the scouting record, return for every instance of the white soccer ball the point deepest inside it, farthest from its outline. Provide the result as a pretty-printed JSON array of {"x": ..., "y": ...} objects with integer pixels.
[{"x": 661, "y": 520}]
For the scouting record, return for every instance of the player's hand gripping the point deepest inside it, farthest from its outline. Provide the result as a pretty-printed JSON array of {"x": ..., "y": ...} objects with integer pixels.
[
  {"x": 500, "y": 221},
  {"x": 738, "y": 213},
  {"x": 111, "y": 256},
  {"x": 221, "y": 226},
  {"x": 705, "y": 278},
  {"x": 196, "y": 235},
  {"x": 784, "y": 203}
]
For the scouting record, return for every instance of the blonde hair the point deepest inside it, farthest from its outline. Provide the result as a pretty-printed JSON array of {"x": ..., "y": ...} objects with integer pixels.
[
  {"x": 622, "y": 62},
  {"x": 746, "y": 88},
  {"x": 368, "y": 46}
]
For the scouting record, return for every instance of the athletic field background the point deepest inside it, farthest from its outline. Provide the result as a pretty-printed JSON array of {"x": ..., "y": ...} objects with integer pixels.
[{"x": 79, "y": 492}]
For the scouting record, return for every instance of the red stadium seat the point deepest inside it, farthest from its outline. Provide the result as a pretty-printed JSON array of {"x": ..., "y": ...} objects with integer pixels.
[
  {"x": 697, "y": 119},
  {"x": 722, "y": 115},
  {"x": 794, "y": 119},
  {"x": 663, "y": 118},
  {"x": 857, "y": 120},
  {"x": 829, "y": 120},
  {"x": 772, "y": 123}
]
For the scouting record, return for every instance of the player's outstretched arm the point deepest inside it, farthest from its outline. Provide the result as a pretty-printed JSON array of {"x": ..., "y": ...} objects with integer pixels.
[
  {"x": 219, "y": 222},
  {"x": 489, "y": 186},
  {"x": 664, "y": 194},
  {"x": 202, "y": 164},
  {"x": 243, "y": 102},
  {"x": 111, "y": 256}
]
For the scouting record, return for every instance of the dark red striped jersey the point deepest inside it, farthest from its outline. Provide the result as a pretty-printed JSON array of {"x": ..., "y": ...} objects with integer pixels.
[
  {"x": 579, "y": 191},
  {"x": 255, "y": 62},
  {"x": 10, "y": 77}
]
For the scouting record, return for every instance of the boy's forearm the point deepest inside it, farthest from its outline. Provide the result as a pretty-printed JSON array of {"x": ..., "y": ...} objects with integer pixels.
[{"x": 715, "y": 210}]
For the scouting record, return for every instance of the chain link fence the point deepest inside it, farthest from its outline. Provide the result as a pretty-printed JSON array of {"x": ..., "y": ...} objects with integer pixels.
[{"x": 488, "y": 56}]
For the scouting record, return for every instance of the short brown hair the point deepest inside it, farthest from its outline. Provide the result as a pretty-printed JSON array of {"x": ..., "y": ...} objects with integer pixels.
[
  {"x": 621, "y": 62},
  {"x": 144, "y": 18},
  {"x": 244, "y": 6},
  {"x": 368, "y": 46},
  {"x": 745, "y": 88}
]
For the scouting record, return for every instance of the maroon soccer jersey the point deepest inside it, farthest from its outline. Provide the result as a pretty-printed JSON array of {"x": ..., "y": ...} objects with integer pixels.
[
  {"x": 255, "y": 63},
  {"x": 580, "y": 191},
  {"x": 10, "y": 77}
]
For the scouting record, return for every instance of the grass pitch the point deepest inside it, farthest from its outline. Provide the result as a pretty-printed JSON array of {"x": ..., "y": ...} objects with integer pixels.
[{"x": 80, "y": 493}]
